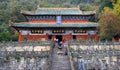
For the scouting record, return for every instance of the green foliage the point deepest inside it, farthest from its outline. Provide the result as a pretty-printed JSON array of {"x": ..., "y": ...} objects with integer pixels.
[
  {"x": 14, "y": 37},
  {"x": 106, "y": 23},
  {"x": 105, "y": 3},
  {"x": 109, "y": 21},
  {"x": 116, "y": 8},
  {"x": 86, "y": 7},
  {"x": 5, "y": 36}
]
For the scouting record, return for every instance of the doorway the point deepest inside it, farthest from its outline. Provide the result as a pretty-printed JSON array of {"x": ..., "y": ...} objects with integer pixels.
[
  {"x": 74, "y": 36},
  {"x": 50, "y": 37},
  {"x": 59, "y": 37}
]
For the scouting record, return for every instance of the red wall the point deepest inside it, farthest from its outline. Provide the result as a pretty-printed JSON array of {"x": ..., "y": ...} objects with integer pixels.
[
  {"x": 64, "y": 37},
  {"x": 67, "y": 37},
  {"x": 32, "y": 37},
  {"x": 95, "y": 37},
  {"x": 85, "y": 37},
  {"x": 82, "y": 37}
]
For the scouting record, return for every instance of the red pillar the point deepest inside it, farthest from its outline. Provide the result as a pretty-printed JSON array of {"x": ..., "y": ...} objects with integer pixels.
[
  {"x": 20, "y": 38},
  {"x": 95, "y": 37}
]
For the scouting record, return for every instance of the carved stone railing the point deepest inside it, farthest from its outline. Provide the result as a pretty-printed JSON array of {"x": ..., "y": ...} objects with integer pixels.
[
  {"x": 96, "y": 55},
  {"x": 28, "y": 55},
  {"x": 70, "y": 57}
]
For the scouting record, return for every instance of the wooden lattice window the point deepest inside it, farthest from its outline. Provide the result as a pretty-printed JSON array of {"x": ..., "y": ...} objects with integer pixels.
[
  {"x": 37, "y": 31},
  {"x": 58, "y": 31},
  {"x": 79, "y": 31}
]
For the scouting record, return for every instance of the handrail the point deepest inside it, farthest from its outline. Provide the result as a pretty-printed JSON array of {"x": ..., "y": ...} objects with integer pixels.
[
  {"x": 51, "y": 56},
  {"x": 70, "y": 58}
]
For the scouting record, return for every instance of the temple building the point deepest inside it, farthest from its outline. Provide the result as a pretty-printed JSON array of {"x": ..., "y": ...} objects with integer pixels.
[{"x": 60, "y": 23}]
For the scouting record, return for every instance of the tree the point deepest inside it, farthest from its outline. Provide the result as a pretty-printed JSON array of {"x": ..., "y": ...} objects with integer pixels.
[
  {"x": 86, "y": 7},
  {"x": 105, "y": 3},
  {"x": 116, "y": 11},
  {"x": 5, "y": 36},
  {"x": 116, "y": 8},
  {"x": 107, "y": 23},
  {"x": 109, "y": 19}
]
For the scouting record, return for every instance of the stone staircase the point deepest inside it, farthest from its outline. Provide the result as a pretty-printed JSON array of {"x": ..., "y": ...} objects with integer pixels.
[{"x": 60, "y": 62}]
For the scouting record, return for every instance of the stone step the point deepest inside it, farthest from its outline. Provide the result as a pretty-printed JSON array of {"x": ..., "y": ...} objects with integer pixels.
[{"x": 60, "y": 62}]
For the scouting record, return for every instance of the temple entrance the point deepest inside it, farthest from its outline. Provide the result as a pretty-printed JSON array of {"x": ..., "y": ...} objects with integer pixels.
[
  {"x": 59, "y": 37},
  {"x": 74, "y": 36},
  {"x": 50, "y": 37}
]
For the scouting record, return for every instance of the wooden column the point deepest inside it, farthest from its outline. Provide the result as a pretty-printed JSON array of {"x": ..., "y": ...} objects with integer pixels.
[
  {"x": 20, "y": 38},
  {"x": 96, "y": 37}
]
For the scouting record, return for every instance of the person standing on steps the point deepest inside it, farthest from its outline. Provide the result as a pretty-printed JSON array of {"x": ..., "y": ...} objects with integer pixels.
[
  {"x": 60, "y": 48},
  {"x": 55, "y": 43}
]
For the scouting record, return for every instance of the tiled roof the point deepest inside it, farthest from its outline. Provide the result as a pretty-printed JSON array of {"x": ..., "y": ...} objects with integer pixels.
[
  {"x": 89, "y": 24},
  {"x": 58, "y": 11}
]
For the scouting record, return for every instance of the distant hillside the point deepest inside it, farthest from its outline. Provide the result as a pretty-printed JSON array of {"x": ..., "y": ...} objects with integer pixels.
[
  {"x": 82, "y": 1},
  {"x": 3, "y": 0}
]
